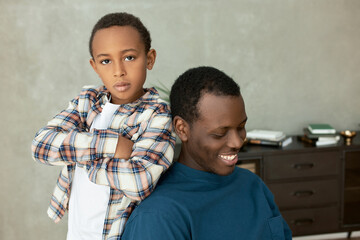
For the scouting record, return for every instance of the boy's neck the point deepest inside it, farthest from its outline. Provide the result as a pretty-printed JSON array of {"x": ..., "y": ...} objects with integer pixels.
[{"x": 127, "y": 101}]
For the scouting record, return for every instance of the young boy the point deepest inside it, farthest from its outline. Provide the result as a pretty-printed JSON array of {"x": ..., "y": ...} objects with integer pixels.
[{"x": 114, "y": 141}]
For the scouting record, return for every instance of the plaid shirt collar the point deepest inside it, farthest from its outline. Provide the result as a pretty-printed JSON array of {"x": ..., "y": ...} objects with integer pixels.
[{"x": 151, "y": 95}]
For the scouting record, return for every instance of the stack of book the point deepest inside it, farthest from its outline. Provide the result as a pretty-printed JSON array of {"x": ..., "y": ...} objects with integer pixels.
[
  {"x": 320, "y": 135},
  {"x": 267, "y": 137}
]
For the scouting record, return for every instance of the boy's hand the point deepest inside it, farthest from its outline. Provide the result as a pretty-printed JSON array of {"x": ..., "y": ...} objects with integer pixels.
[{"x": 123, "y": 148}]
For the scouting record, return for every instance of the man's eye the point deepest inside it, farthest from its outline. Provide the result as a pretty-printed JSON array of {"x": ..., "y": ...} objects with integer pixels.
[
  {"x": 106, "y": 61},
  {"x": 218, "y": 135},
  {"x": 241, "y": 129},
  {"x": 129, "y": 58}
]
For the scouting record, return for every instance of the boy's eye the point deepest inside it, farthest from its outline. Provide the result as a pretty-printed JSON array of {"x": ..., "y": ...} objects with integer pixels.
[
  {"x": 106, "y": 61},
  {"x": 129, "y": 58}
]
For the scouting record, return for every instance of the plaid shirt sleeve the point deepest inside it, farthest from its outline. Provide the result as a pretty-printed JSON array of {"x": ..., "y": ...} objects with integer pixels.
[
  {"x": 65, "y": 139},
  {"x": 153, "y": 152}
]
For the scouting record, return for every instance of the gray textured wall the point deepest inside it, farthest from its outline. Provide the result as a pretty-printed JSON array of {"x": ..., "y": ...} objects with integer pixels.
[{"x": 296, "y": 61}]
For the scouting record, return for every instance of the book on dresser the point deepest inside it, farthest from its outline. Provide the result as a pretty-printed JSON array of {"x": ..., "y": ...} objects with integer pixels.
[
  {"x": 279, "y": 143},
  {"x": 268, "y": 137},
  {"x": 321, "y": 128},
  {"x": 323, "y": 139}
]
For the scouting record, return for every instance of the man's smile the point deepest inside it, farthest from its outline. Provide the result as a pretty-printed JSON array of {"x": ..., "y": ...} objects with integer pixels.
[{"x": 229, "y": 159}]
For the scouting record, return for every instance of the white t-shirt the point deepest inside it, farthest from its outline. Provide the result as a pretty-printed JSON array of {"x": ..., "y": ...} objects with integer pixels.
[{"x": 89, "y": 201}]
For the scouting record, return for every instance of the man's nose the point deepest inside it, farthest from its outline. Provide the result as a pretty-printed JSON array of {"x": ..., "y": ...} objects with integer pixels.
[{"x": 235, "y": 140}]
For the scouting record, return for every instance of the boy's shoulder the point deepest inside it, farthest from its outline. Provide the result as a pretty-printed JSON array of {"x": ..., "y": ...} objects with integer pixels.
[
  {"x": 92, "y": 90},
  {"x": 90, "y": 94},
  {"x": 152, "y": 100}
]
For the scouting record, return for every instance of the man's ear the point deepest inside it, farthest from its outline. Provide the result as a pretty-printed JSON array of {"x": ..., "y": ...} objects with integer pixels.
[
  {"x": 93, "y": 64},
  {"x": 182, "y": 128},
  {"x": 151, "y": 56}
]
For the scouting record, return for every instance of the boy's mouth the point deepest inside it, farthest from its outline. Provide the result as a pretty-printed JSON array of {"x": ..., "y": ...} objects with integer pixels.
[{"x": 122, "y": 86}]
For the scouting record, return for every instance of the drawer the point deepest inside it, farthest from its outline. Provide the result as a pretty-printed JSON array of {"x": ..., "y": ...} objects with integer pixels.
[
  {"x": 249, "y": 166},
  {"x": 252, "y": 164},
  {"x": 306, "y": 193},
  {"x": 312, "y": 221},
  {"x": 302, "y": 165}
]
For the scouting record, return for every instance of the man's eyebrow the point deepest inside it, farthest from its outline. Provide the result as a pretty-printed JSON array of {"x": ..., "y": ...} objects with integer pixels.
[
  {"x": 225, "y": 127},
  {"x": 245, "y": 120},
  {"x": 122, "y": 52}
]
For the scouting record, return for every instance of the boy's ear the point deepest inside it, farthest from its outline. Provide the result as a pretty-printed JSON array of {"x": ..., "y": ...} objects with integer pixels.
[
  {"x": 182, "y": 128},
  {"x": 93, "y": 64},
  {"x": 151, "y": 56}
]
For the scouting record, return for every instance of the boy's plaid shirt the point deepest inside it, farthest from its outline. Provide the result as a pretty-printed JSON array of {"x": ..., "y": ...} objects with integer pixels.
[{"x": 66, "y": 141}]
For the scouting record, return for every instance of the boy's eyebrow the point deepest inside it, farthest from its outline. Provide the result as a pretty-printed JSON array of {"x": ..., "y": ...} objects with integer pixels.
[{"x": 122, "y": 52}]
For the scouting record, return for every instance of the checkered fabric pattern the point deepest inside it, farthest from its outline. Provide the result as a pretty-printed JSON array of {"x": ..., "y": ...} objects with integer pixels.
[{"x": 67, "y": 141}]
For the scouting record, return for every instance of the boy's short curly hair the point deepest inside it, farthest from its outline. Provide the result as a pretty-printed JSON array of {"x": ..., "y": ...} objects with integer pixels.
[
  {"x": 121, "y": 19},
  {"x": 191, "y": 85}
]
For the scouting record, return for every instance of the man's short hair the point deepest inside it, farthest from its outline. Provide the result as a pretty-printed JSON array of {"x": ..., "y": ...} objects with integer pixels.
[
  {"x": 121, "y": 19},
  {"x": 191, "y": 85}
]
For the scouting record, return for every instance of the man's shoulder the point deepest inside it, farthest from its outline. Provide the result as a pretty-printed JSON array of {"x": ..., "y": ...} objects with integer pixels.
[
  {"x": 167, "y": 194},
  {"x": 248, "y": 178},
  {"x": 161, "y": 203},
  {"x": 245, "y": 173}
]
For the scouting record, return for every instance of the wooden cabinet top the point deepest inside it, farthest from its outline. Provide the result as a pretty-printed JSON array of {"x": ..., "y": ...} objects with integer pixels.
[{"x": 297, "y": 146}]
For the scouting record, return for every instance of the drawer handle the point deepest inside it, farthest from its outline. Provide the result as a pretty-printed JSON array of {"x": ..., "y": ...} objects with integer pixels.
[
  {"x": 303, "y": 193},
  {"x": 304, "y": 222},
  {"x": 303, "y": 166}
]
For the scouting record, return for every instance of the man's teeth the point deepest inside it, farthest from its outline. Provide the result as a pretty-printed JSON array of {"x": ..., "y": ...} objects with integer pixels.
[{"x": 228, "y": 157}]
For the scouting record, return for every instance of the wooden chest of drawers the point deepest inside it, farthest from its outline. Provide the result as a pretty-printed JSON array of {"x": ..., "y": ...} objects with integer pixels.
[
  {"x": 306, "y": 186},
  {"x": 317, "y": 189}
]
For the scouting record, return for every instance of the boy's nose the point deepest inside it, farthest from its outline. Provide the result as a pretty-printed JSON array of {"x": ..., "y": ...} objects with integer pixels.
[{"x": 119, "y": 70}]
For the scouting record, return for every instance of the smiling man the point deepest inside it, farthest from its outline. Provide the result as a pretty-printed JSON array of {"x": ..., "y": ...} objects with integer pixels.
[{"x": 204, "y": 195}]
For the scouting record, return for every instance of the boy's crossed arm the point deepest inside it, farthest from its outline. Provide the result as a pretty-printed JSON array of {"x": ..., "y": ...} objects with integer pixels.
[
  {"x": 123, "y": 148},
  {"x": 151, "y": 155},
  {"x": 64, "y": 141}
]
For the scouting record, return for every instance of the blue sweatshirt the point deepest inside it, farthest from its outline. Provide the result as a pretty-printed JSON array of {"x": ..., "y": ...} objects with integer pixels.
[{"x": 192, "y": 204}]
